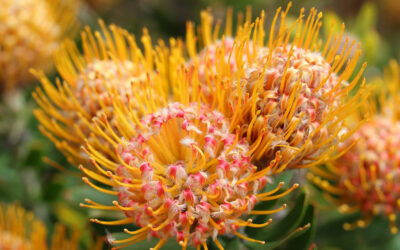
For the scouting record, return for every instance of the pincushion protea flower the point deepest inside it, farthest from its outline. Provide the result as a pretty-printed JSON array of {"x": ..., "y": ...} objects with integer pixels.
[
  {"x": 20, "y": 230},
  {"x": 181, "y": 174},
  {"x": 111, "y": 67},
  {"x": 30, "y": 31},
  {"x": 289, "y": 95},
  {"x": 365, "y": 177}
]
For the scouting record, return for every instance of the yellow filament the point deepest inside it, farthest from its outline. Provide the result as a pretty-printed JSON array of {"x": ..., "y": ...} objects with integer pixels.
[
  {"x": 279, "y": 195},
  {"x": 254, "y": 212},
  {"x": 143, "y": 237},
  {"x": 220, "y": 247},
  {"x": 140, "y": 230},
  {"x": 96, "y": 177},
  {"x": 250, "y": 224},
  {"x": 159, "y": 244},
  {"x": 248, "y": 239},
  {"x": 106, "y": 191},
  {"x": 116, "y": 222},
  {"x": 95, "y": 205}
]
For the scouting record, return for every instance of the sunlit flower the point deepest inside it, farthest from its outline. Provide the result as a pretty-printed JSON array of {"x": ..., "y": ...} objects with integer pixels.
[
  {"x": 20, "y": 230},
  {"x": 365, "y": 177},
  {"x": 111, "y": 67},
  {"x": 289, "y": 95},
  {"x": 182, "y": 175},
  {"x": 30, "y": 31}
]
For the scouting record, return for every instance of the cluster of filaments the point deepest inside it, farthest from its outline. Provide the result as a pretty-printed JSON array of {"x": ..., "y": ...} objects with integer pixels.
[
  {"x": 366, "y": 176},
  {"x": 92, "y": 83},
  {"x": 19, "y": 229},
  {"x": 296, "y": 111},
  {"x": 286, "y": 96},
  {"x": 101, "y": 77},
  {"x": 189, "y": 172},
  {"x": 30, "y": 31},
  {"x": 184, "y": 176},
  {"x": 15, "y": 225}
]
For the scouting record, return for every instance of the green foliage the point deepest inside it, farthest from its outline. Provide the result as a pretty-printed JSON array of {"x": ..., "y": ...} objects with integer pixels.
[
  {"x": 304, "y": 240},
  {"x": 277, "y": 234}
]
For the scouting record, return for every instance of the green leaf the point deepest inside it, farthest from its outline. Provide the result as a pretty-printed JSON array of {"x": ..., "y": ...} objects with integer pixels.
[
  {"x": 9, "y": 177},
  {"x": 233, "y": 243},
  {"x": 394, "y": 243},
  {"x": 285, "y": 228},
  {"x": 303, "y": 241},
  {"x": 274, "y": 244},
  {"x": 289, "y": 222},
  {"x": 374, "y": 236},
  {"x": 285, "y": 177}
]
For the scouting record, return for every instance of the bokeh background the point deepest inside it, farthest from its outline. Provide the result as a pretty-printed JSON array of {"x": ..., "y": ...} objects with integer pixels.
[{"x": 55, "y": 195}]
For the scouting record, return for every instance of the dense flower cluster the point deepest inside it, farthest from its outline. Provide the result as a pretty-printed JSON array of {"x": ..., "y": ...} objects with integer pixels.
[
  {"x": 366, "y": 175},
  {"x": 30, "y": 31},
  {"x": 91, "y": 82},
  {"x": 288, "y": 95},
  {"x": 187, "y": 145},
  {"x": 20, "y": 230},
  {"x": 184, "y": 176},
  {"x": 295, "y": 105}
]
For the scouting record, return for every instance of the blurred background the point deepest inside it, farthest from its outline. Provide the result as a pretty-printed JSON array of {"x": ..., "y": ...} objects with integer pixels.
[{"x": 55, "y": 195}]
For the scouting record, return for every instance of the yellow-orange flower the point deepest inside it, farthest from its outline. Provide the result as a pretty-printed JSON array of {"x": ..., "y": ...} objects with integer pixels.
[
  {"x": 110, "y": 67},
  {"x": 20, "y": 230},
  {"x": 290, "y": 95},
  {"x": 30, "y": 31},
  {"x": 182, "y": 175},
  {"x": 365, "y": 177}
]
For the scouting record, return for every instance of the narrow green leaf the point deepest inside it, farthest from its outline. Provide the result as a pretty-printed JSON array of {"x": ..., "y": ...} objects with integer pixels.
[
  {"x": 285, "y": 228},
  {"x": 280, "y": 242},
  {"x": 233, "y": 243},
  {"x": 303, "y": 241},
  {"x": 285, "y": 177},
  {"x": 288, "y": 223}
]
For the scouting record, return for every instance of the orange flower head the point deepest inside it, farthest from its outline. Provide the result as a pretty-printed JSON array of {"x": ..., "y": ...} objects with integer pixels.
[
  {"x": 290, "y": 95},
  {"x": 181, "y": 174},
  {"x": 95, "y": 82},
  {"x": 30, "y": 31},
  {"x": 111, "y": 67},
  {"x": 365, "y": 176}
]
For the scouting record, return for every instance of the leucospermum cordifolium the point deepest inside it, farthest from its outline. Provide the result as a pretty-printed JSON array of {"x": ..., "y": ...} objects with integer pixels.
[
  {"x": 188, "y": 149},
  {"x": 110, "y": 68},
  {"x": 30, "y": 31},
  {"x": 288, "y": 95},
  {"x": 178, "y": 176},
  {"x": 365, "y": 178},
  {"x": 182, "y": 175},
  {"x": 19, "y": 229}
]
